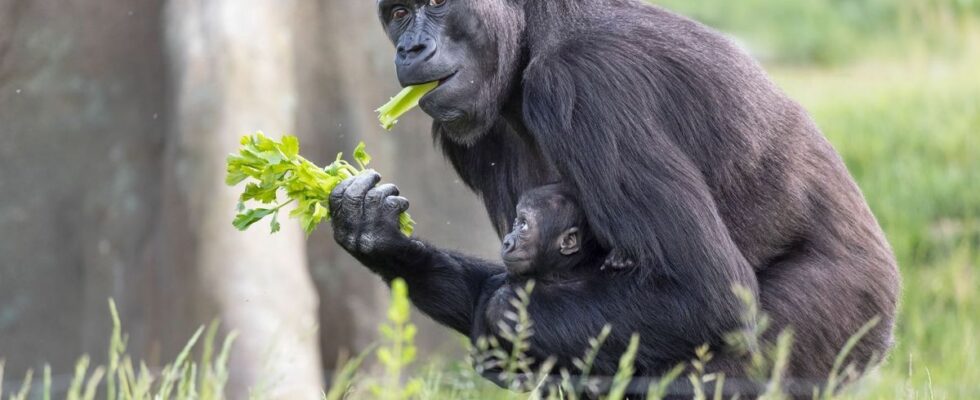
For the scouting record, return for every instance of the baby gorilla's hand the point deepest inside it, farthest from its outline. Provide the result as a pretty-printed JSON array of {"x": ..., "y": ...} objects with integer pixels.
[{"x": 617, "y": 259}]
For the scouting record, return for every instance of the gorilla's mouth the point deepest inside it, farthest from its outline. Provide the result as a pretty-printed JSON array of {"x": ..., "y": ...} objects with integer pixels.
[
  {"x": 442, "y": 81},
  {"x": 448, "y": 77},
  {"x": 516, "y": 260},
  {"x": 436, "y": 104}
]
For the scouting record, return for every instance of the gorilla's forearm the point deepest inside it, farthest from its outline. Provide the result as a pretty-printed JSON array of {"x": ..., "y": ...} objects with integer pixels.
[{"x": 444, "y": 285}]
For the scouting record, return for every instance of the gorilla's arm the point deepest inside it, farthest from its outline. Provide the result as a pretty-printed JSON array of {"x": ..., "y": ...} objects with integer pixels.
[
  {"x": 442, "y": 284},
  {"x": 445, "y": 285},
  {"x": 641, "y": 193}
]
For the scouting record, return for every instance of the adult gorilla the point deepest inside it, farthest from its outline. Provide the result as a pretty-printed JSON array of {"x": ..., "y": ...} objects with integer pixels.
[{"x": 686, "y": 159}]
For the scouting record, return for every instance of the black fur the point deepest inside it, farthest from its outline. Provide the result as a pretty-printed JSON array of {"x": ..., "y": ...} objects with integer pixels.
[{"x": 684, "y": 157}]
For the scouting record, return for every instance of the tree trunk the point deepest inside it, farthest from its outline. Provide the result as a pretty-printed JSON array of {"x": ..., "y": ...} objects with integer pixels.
[
  {"x": 82, "y": 108},
  {"x": 232, "y": 68}
]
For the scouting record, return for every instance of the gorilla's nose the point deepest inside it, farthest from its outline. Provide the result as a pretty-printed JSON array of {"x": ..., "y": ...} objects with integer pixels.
[
  {"x": 415, "y": 50},
  {"x": 508, "y": 244}
]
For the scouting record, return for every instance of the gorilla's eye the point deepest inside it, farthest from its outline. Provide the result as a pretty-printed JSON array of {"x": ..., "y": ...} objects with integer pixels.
[
  {"x": 399, "y": 13},
  {"x": 436, "y": 3}
]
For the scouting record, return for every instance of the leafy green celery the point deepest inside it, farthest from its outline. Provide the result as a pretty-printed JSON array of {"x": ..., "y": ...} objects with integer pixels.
[
  {"x": 402, "y": 103},
  {"x": 273, "y": 167}
]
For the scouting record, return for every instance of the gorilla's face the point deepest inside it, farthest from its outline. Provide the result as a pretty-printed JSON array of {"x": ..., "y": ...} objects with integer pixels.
[{"x": 471, "y": 47}]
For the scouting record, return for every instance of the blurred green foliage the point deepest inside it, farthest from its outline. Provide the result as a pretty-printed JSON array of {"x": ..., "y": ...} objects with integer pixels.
[{"x": 830, "y": 31}]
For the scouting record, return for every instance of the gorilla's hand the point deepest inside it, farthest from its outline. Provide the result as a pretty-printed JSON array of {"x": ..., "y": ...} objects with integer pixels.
[
  {"x": 618, "y": 259},
  {"x": 365, "y": 217}
]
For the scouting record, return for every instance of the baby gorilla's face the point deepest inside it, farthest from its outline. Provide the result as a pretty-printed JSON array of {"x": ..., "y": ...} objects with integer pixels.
[
  {"x": 522, "y": 244},
  {"x": 540, "y": 242}
]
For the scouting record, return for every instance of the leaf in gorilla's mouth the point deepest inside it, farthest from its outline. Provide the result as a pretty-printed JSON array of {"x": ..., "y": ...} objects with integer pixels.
[{"x": 402, "y": 103}]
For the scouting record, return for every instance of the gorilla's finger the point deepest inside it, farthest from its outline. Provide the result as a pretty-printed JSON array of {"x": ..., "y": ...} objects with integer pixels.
[
  {"x": 396, "y": 204},
  {"x": 378, "y": 194},
  {"x": 337, "y": 195},
  {"x": 362, "y": 183}
]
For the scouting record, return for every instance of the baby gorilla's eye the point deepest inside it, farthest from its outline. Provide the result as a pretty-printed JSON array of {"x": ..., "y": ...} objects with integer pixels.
[
  {"x": 436, "y": 3},
  {"x": 399, "y": 13}
]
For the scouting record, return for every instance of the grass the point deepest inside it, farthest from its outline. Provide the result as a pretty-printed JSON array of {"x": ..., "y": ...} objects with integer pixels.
[{"x": 125, "y": 379}]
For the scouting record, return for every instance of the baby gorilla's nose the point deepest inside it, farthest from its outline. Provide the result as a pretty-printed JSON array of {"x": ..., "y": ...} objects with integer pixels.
[{"x": 508, "y": 244}]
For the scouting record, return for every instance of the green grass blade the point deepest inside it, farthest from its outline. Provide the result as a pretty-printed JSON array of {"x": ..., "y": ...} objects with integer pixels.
[
  {"x": 46, "y": 394},
  {"x": 624, "y": 374},
  {"x": 92, "y": 385},
  {"x": 172, "y": 373},
  {"x": 25, "y": 387},
  {"x": 75, "y": 388}
]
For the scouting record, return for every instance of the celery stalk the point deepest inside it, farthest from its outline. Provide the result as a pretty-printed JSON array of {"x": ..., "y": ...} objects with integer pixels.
[{"x": 402, "y": 103}]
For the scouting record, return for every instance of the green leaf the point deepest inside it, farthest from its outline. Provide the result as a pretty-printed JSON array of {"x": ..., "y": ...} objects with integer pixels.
[
  {"x": 264, "y": 194},
  {"x": 318, "y": 214},
  {"x": 244, "y": 220},
  {"x": 290, "y": 146},
  {"x": 274, "y": 225},
  {"x": 361, "y": 156},
  {"x": 384, "y": 355},
  {"x": 235, "y": 177},
  {"x": 402, "y": 103}
]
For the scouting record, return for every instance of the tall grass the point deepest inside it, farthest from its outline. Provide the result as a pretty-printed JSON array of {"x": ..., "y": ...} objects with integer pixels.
[
  {"x": 186, "y": 379},
  {"x": 183, "y": 379},
  {"x": 504, "y": 359},
  {"x": 398, "y": 349}
]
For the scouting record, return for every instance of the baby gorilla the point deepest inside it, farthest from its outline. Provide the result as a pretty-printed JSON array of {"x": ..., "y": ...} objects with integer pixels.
[
  {"x": 550, "y": 235},
  {"x": 552, "y": 244}
]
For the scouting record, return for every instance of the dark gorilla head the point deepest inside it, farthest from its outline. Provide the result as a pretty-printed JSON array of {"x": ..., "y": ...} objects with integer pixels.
[
  {"x": 549, "y": 235},
  {"x": 472, "y": 47}
]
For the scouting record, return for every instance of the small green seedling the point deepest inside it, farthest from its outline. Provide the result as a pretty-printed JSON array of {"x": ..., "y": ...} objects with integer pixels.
[
  {"x": 402, "y": 103},
  {"x": 275, "y": 167}
]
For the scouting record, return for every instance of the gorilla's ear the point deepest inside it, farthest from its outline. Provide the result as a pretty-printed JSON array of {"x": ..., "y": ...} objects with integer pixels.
[{"x": 569, "y": 242}]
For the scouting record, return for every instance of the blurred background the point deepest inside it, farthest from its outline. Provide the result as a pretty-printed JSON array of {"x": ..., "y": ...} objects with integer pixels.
[{"x": 116, "y": 117}]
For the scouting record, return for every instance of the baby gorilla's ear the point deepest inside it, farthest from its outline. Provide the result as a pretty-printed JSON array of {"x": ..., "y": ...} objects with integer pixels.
[{"x": 568, "y": 242}]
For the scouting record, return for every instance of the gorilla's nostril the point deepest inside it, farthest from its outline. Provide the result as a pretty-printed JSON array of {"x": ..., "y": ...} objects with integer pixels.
[{"x": 411, "y": 52}]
